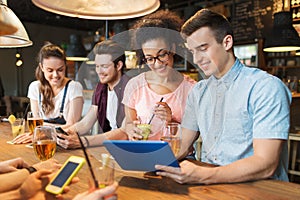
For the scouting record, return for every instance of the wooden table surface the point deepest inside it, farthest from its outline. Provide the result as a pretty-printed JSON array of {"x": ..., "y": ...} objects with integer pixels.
[{"x": 134, "y": 185}]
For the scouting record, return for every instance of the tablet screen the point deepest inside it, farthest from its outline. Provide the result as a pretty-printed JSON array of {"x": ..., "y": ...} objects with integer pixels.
[{"x": 141, "y": 155}]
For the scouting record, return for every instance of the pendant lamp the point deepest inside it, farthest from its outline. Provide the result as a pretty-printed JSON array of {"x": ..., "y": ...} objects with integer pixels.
[
  {"x": 7, "y": 29},
  {"x": 12, "y": 31},
  {"x": 284, "y": 37},
  {"x": 75, "y": 50},
  {"x": 99, "y": 9}
]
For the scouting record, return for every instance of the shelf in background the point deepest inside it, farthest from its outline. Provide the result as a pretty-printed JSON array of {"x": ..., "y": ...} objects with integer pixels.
[
  {"x": 295, "y": 95},
  {"x": 271, "y": 67}
]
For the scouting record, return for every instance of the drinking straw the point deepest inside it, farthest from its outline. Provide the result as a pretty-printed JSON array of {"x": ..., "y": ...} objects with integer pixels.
[
  {"x": 88, "y": 161},
  {"x": 153, "y": 113}
]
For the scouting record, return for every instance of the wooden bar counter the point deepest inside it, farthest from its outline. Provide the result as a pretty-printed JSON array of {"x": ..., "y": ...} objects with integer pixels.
[{"x": 134, "y": 185}]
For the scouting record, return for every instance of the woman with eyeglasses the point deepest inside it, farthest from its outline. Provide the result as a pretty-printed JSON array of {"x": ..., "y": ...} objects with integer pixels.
[{"x": 157, "y": 96}]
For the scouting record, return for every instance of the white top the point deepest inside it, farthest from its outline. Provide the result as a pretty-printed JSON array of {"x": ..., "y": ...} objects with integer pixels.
[
  {"x": 74, "y": 91},
  {"x": 112, "y": 108}
]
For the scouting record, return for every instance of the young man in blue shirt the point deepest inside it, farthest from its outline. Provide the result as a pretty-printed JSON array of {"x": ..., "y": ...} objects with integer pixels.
[{"x": 242, "y": 113}]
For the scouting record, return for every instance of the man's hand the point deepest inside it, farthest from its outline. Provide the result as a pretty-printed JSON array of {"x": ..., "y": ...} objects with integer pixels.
[
  {"x": 12, "y": 165},
  {"x": 69, "y": 141},
  {"x": 187, "y": 173}
]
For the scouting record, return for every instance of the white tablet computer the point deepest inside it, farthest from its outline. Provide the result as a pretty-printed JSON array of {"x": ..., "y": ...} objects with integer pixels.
[{"x": 141, "y": 155}]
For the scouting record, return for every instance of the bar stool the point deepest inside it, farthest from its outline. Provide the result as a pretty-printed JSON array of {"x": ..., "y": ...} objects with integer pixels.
[{"x": 294, "y": 138}]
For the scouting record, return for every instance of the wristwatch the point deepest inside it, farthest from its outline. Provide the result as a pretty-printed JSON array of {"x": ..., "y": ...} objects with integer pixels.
[{"x": 31, "y": 169}]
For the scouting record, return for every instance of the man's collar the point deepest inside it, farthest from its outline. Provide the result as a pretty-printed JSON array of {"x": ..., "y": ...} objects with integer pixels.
[{"x": 231, "y": 75}]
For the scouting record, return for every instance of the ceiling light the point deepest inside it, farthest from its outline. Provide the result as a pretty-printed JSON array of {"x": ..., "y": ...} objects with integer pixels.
[
  {"x": 100, "y": 9},
  {"x": 284, "y": 36},
  {"x": 19, "y": 60},
  {"x": 13, "y": 33},
  {"x": 6, "y": 28}
]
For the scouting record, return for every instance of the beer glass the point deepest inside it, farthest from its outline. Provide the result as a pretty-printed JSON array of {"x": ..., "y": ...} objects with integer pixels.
[
  {"x": 34, "y": 121},
  {"x": 172, "y": 135},
  {"x": 44, "y": 142}
]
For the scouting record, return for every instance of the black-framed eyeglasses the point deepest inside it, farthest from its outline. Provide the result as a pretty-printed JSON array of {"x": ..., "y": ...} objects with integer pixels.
[{"x": 163, "y": 57}]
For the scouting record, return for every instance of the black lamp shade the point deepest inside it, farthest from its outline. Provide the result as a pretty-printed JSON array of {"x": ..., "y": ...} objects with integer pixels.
[
  {"x": 75, "y": 48},
  {"x": 284, "y": 36}
]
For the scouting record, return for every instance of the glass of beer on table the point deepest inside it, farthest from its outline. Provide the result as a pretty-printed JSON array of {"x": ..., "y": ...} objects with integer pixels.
[
  {"x": 172, "y": 135},
  {"x": 34, "y": 121},
  {"x": 44, "y": 142}
]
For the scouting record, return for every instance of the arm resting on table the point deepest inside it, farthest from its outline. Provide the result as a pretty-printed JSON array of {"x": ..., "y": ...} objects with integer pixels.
[
  {"x": 97, "y": 140},
  {"x": 13, "y": 180},
  {"x": 261, "y": 165}
]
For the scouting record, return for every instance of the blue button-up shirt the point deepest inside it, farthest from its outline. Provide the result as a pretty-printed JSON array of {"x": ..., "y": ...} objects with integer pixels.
[{"x": 245, "y": 104}]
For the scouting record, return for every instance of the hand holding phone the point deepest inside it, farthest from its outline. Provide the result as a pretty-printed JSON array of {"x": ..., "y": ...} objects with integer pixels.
[
  {"x": 60, "y": 130},
  {"x": 65, "y": 175}
]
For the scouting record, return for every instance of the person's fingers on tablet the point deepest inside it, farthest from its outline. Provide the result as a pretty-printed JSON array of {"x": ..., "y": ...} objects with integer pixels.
[
  {"x": 175, "y": 170},
  {"x": 170, "y": 172},
  {"x": 187, "y": 173}
]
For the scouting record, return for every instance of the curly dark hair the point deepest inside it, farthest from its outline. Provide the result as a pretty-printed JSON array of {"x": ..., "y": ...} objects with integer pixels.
[{"x": 162, "y": 24}]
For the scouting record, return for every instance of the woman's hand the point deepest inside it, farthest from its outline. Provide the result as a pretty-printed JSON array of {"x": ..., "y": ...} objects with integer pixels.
[
  {"x": 163, "y": 111},
  {"x": 12, "y": 165},
  {"x": 23, "y": 139},
  {"x": 133, "y": 132},
  {"x": 34, "y": 186}
]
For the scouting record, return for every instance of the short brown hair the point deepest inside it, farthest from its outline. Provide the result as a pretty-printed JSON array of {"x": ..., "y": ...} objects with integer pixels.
[
  {"x": 218, "y": 23},
  {"x": 112, "y": 48}
]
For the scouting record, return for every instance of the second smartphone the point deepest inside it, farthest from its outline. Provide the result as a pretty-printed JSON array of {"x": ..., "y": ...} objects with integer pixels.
[{"x": 65, "y": 174}]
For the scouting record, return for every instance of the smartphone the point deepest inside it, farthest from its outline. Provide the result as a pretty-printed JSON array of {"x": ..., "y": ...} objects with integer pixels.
[
  {"x": 65, "y": 174},
  {"x": 60, "y": 130}
]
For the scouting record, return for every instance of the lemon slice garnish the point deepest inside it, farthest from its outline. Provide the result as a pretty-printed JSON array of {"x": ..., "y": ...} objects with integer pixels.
[{"x": 11, "y": 119}]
